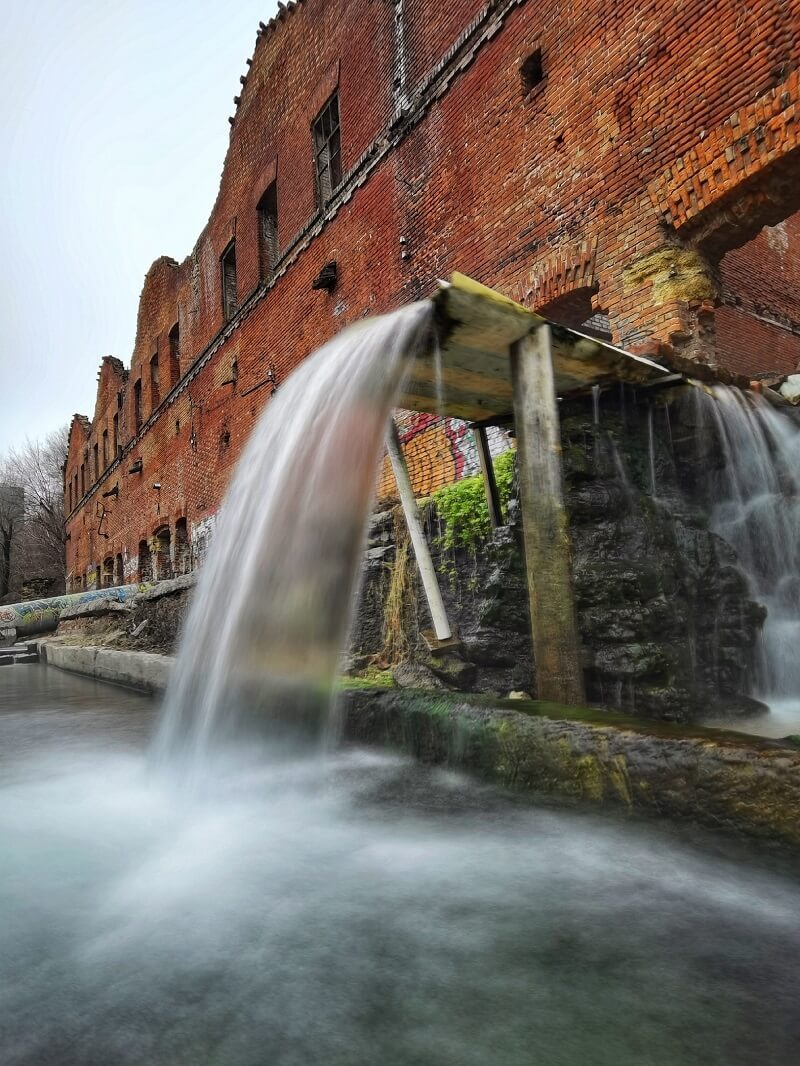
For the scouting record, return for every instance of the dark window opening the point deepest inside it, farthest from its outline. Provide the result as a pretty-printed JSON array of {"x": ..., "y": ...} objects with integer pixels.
[
  {"x": 96, "y": 461},
  {"x": 183, "y": 561},
  {"x": 98, "y": 577},
  {"x": 115, "y": 431},
  {"x": 108, "y": 572},
  {"x": 155, "y": 382},
  {"x": 162, "y": 560},
  {"x": 228, "y": 264},
  {"x": 83, "y": 479},
  {"x": 268, "y": 231},
  {"x": 532, "y": 72},
  {"x": 137, "y": 405},
  {"x": 105, "y": 448},
  {"x": 174, "y": 354},
  {"x": 145, "y": 563},
  {"x": 327, "y": 150},
  {"x": 119, "y": 570}
]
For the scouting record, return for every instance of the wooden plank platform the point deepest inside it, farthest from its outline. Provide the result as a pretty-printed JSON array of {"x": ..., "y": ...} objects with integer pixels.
[{"x": 468, "y": 374}]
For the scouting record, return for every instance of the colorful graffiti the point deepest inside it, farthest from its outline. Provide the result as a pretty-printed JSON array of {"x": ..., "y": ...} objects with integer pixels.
[{"x": 438, "y": 451}]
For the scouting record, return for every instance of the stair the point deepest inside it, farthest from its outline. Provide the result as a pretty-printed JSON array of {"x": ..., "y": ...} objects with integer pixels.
[{"x": 19, "y": 653}]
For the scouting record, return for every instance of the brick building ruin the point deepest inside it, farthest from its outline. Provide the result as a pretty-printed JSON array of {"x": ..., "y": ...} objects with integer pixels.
[{"x": 641, "y": 174}]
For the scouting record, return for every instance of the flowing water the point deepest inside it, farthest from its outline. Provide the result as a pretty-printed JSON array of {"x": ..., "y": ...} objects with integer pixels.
[
  {"x": 358, "y": 910},
  {"x": 755, "y": 496},
  {"x": 274, "y": 598}
]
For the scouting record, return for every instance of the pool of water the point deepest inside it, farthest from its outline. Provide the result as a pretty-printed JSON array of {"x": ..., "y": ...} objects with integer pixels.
[
  {"x": 782, "y": 720},
  {"x": 358, "y": 910}
]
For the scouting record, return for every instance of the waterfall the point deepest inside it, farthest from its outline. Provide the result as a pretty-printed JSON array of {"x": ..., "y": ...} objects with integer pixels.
[
  {"x": 755, "y": 497},
  {"x": 273, "y": 601}
]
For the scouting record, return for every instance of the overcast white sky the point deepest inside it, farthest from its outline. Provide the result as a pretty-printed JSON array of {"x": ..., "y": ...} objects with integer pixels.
[{"x": 113, "y": 129}]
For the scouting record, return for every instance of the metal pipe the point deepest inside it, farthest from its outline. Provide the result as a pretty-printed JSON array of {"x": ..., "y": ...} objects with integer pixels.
[
  {"x": 408, "y": 501},
  {"x": 33, "y": 617}
]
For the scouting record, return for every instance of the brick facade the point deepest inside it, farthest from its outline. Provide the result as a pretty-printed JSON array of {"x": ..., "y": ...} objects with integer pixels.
[
  {"x": 758, "y": 323},
  {"x": 595, "y": 177}
]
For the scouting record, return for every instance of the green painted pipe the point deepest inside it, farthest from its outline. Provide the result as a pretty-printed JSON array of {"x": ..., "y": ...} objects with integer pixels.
[{"x": 33, "y": 617}]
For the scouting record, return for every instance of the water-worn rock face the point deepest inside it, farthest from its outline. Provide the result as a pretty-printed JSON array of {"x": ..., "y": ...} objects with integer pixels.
[
  {"x": 667, "y": 624},
  {"x": 664, "y": 612}
]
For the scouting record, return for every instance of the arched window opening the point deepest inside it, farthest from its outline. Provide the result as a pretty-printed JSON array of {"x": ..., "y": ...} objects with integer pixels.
[
  {"x": 162, "y": 559},
  {"x": 183, "y": 560},
  {"x": 145, "y": 563}
]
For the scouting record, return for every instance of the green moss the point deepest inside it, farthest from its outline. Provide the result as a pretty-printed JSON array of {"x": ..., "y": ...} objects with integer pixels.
[
  {"x": 462, "y": 506},
  {"x": 372, "y": 677},
  {"x": 445, "y": 702}
]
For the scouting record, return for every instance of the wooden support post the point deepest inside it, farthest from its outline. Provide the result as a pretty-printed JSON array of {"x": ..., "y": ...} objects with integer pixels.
[
  {"x": 556, "y": 648},
  {"x": 487, "y": 469},
  {"x": 408, "y": 500}
]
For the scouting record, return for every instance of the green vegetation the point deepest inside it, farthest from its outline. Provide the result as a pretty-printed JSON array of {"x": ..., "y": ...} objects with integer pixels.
[
  {"x": 462, "y": 506},
  {"x": 371, "y": 678}
]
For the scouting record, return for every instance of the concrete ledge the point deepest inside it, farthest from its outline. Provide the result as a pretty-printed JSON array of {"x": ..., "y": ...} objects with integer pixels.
[
  {"x": 135, "y": 669},
  {"x": 715, "y": 777}
]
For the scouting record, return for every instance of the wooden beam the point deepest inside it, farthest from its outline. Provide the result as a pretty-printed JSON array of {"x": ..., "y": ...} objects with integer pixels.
[
  {"x": 556, "y": 647},
  {"x": 489, "y": 482},
  {"x": 408, "y": 501}
]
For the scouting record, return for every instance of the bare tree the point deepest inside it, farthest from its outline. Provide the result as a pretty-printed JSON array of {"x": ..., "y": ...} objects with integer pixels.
[
  {"x": 32, "y": 483},
  {"x": 12, "y": 509}
]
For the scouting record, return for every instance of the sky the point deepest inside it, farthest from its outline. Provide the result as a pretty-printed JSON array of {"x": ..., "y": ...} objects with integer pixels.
[{"x": 113, "y": 130}]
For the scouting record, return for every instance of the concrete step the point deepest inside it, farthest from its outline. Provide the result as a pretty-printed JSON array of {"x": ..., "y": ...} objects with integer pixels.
[{"x": 19, "y": 653}]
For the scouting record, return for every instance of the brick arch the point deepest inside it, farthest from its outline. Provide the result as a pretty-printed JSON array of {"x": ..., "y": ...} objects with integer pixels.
[
  {"x": 739, "y": 177},
  {"x": 715, "y": 202},
  {"x": 569, "y": 268}
]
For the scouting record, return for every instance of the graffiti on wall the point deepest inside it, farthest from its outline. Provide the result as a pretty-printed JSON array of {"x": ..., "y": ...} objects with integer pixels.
[
  {"x": 438, "y": 451},
  {"x": 200, "y": 539}
]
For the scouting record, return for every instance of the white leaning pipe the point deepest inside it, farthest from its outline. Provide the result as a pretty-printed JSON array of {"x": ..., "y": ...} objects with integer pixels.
[{"x": 422, "y": 553}]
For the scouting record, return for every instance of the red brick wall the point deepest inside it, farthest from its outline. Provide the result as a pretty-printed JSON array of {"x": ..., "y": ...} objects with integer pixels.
[
  {"x": 758, "y": 328},
  {"x": 572, "y": 187}
]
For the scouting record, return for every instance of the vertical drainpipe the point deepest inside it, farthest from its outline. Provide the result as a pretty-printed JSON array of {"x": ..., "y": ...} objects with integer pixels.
[{"x": 400, "y": 74}]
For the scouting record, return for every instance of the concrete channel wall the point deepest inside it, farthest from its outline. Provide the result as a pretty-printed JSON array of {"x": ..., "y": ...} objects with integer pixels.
[
  {"x": 715, "y": 777},
  {"x": 135, "y": 669}
]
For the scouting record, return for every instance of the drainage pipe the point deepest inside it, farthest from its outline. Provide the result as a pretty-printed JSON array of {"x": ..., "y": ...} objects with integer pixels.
[{"x": 34, "y": 617}]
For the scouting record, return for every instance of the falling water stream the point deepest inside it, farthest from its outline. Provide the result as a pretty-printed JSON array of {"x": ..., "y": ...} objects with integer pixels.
[
  {"x": 268, "y": 620},
  {"x": 280, "y": 905},
  {"x": 755, "y": 506}
]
